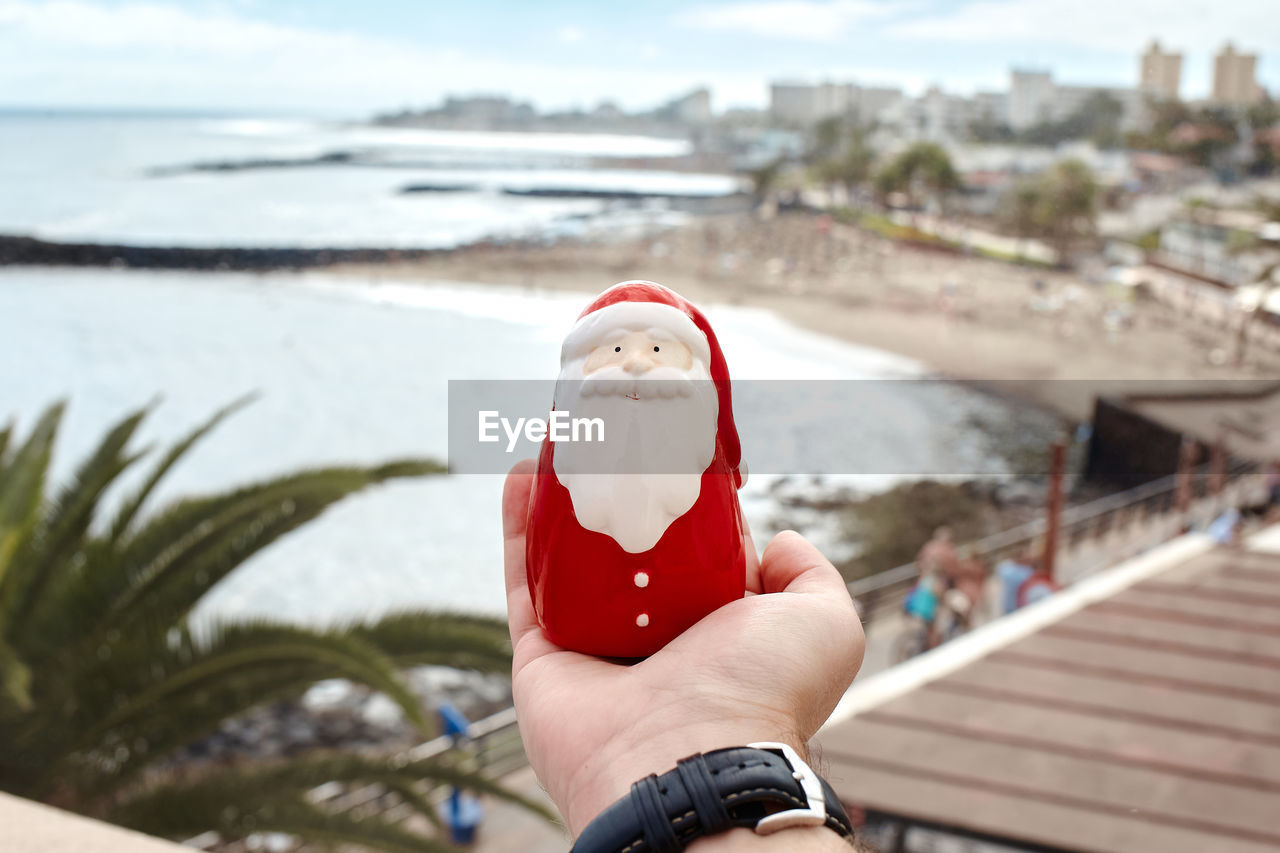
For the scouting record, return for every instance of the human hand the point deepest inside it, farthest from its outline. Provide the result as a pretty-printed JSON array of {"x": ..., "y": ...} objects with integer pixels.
[{"x": 768, "y": 667}]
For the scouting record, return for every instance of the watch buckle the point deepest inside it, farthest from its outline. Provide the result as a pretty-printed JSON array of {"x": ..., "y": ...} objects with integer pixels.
[{"x": 815, "y": 814}]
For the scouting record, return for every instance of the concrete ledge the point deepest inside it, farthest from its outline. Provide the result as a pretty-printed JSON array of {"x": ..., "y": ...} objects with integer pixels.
[
  {"x": 1266, "y": 540},
  {"x": 28, "y": 827}
]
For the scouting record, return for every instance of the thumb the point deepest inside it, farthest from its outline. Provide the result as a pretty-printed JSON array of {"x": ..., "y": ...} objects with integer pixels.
[
  {"x": 827, "y": 623},
  {"x": 791, "y": 563}
]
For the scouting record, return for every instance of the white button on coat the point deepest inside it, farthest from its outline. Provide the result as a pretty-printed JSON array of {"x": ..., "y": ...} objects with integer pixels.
[
  {"x": 642, "y": 579},
  {"x": 642, "y": 620}
]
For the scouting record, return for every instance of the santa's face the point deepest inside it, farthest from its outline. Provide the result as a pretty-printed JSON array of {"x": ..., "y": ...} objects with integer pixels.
[
  {"x": 637, "y": 353},
  {"x": 660, "y": 409}
]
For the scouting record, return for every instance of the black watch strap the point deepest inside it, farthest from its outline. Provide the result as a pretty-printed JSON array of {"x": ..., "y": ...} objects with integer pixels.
[{"x": 764, "y": 786}]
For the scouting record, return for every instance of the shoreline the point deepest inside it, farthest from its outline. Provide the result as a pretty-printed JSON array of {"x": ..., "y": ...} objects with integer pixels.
[
  {"x": 1048, "y": 338},
  {"x": 1044, "y": 338}
]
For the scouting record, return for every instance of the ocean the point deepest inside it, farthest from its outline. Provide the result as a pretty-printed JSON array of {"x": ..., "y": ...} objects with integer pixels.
[
  {"x": 284, "y": 183},
  {"x": 347, "y": 370}
]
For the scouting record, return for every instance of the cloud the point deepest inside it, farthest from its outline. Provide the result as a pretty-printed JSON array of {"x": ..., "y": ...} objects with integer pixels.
[
  {"x": 150, "y": 25},
  {"x": 802, "y": 20},
  {"x": 1105, "y": 25},
  {"x": 95, "y": 53},
  {"x": 569, "y": 35}
]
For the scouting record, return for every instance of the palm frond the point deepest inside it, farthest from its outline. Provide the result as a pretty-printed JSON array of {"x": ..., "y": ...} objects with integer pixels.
[
  {"x": 178, "y": 555},
  {"x": 184, "y": 718},
  {"x": 173, "y": 560},
  {"x": 130, "y": 507},
  {"x": 341, "y": 831},
  {"x": 237, "y": 649},
  {"x": 15, "y": 681},
  {"x": 462, "y": 641},
  {"x": 102, "y": 679},
  {"x": 238, "y": 804},
  {"x": 61, "y": 532},
  {"x": 21, "y": 492},
  {"x": 134, "y": 749},
  {"x": 38, "y": 759},
  {"x": 311, "y": 771},
  {"x": 6, "y": 433},
  {"x": 450, "y": 770},
  {"x": 415, "y": 800}
]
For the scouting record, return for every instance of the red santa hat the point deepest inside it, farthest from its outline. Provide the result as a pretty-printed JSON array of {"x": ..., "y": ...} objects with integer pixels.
[{"x": 641, "y": 305}]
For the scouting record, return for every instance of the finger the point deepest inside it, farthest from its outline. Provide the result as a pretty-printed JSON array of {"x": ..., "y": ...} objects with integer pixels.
[
  {"x": 792, "y": 564},
  {"x": 515, "y": 514},
  {"x": 515, "y": 498},
  {"x": 753, "y": 560}
]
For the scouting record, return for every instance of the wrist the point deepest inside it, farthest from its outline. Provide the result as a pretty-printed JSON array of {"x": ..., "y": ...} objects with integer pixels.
[
  {"x": 611, "y": 772},
  {"x": 734, "y": 798},
  {"x": 809, "y": 839}
]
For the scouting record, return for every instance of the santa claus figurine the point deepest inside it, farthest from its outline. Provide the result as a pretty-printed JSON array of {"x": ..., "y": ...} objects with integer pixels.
[{"x": 633, "y": 538}]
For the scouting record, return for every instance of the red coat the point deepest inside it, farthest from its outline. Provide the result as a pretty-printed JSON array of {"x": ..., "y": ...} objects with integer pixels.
[{"x": 591, "y": 596}]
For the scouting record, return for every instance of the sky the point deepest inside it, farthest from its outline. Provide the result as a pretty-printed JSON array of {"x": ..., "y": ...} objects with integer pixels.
[{"x": 337, "y": 57}]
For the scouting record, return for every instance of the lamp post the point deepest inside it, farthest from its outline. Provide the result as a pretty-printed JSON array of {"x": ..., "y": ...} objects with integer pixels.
[{"x": 1053, "y": 506}]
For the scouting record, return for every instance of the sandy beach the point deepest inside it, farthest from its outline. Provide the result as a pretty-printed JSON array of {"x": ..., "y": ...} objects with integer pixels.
[{"x": 1056, "y": 343}]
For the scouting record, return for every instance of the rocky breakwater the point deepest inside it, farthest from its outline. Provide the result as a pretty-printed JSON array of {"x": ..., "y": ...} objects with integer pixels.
[{"x": 28, "y": 251}]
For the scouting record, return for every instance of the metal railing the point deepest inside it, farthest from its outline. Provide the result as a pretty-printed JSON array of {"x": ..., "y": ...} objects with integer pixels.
[
  {"x": 492, "y": 745},
  {"x": 1080, "y": 524}
]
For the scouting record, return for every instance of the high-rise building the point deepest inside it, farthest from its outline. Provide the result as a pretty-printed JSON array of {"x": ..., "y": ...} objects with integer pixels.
[
  {"x": 1031, "y": 96},
  {"x": 693, "y": 108},
  {"x": 803, "y": 103},
  {"x": 1035, "y": 98},
  {"x": 1234, "y": 78},
  {"x": 991, "y": 107},
  {"x": 870, "y": 102},
  {"x": 1161, "y": 73},
  {"x": 798, "y": 103}
]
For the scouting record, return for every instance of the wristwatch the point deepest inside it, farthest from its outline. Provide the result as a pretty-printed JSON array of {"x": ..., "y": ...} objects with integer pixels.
[{"x": 763, "y": 786}]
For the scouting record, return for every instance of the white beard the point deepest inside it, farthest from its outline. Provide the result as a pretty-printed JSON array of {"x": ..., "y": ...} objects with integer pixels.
[{"x": 648, "y": 471}]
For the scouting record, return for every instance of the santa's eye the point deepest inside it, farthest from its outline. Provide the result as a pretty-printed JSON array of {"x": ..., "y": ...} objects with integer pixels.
[
  {"x": 655, "y": 349},
  {"x": 617, "y": 349}
]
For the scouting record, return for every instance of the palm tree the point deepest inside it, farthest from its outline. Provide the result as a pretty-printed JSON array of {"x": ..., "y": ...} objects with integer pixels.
[
  {"x": 922, "y": 171},
  {"x": 849, "y": 168},
  {"x": 826, "y": 139},
  {"x": 1016, "y": 211},
  {"x": 102, "y": 677},
  {"x": 1067, "y": 210},
  {"x": 764, "y": 179},
  {"x": 855, "y": 167}
]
